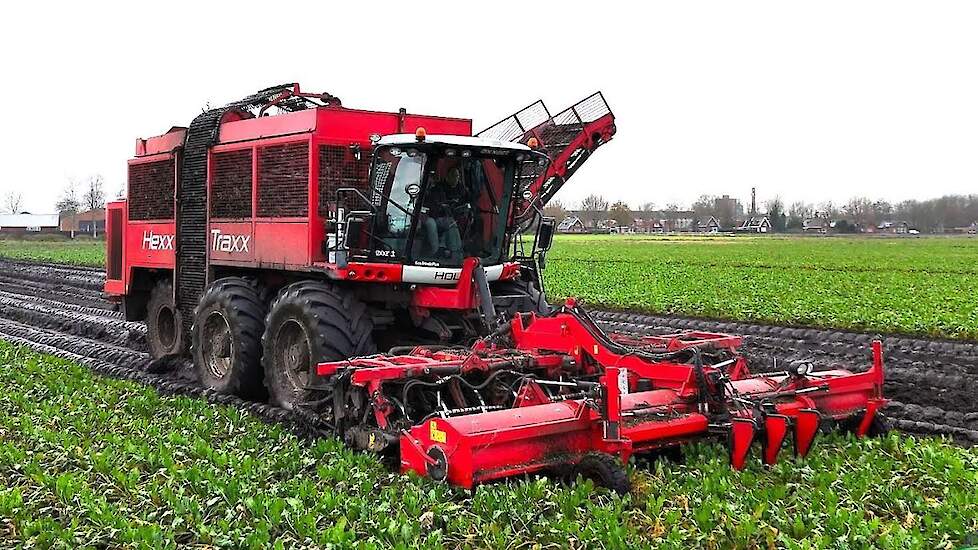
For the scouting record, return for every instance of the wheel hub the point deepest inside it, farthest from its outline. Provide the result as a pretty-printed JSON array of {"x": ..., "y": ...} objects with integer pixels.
[
  {"x": 218, "y": 345},
  {"x": 166, "y": 326},
  {"x": 293, "y": 352}
]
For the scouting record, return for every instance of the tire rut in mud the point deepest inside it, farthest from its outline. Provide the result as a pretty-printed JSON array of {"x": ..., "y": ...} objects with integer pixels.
[{"x": 99, "y": 339}]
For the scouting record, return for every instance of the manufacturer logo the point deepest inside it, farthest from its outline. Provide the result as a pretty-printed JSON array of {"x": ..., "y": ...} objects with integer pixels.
[
  {"x": 226, "y": 242},
  {"x": 155, "y": 241},
  {"x": 446, "y": 275}
]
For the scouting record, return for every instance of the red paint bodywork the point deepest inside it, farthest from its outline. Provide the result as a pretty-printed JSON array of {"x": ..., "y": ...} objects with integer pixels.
[{"x": 291, "y": 244}]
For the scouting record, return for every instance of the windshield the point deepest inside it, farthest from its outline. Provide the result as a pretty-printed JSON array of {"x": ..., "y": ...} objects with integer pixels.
[
  {"x": 441, "y": 206},
  {"x": 396, "y": 184}
]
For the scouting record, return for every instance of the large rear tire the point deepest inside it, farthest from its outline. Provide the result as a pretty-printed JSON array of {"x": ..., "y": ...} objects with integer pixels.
[
  {"x": 226, "y": 337},
  {"x": 310, "y": 322},
  {"x": 164, "y": 325}
]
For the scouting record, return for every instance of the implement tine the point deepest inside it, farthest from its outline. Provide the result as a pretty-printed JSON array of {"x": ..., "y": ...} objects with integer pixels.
[
  {"x": 806, "y": 427},
  {"x": 775, "y": 432},
  {"x": 742, "y": 432}
]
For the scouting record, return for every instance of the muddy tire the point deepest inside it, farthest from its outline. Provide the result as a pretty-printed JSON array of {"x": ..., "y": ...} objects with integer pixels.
[
  {"x": 879, "y": 427},
  {"x": 605, "y": 470},
  {"x": 310, "y": 322},
  {"x": 512, "y": 297},
  {"x": 164, "y": 325},
  {"x": 226, "y": 337}
]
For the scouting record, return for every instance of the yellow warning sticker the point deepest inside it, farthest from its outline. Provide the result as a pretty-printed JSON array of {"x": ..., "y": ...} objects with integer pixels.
[{"x": 436, "y": 435}]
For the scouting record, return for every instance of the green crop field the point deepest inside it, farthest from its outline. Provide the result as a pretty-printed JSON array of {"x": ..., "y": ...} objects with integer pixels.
[
  {"x": 924, "y": 286},
  {"x": 89, "y": 462},
  {"x": 87, "y": 252}
]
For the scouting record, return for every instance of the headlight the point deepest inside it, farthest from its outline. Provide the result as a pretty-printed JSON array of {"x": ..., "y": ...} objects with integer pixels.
[{"x": 801, "y": 368}]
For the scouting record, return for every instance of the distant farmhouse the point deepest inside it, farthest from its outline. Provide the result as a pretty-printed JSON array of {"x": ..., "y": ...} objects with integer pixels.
[
  {"x": 819, "y": 225},
  {"x": 893, "y": 228},
  {"x": 710, "y": 225},
  {"x": 571, "y": 224},
  {"x": 25, "y": 223},
  {"x": 91, "y": 222},
  {"x": 725, "y": 215},
  {"x": 755, "y": 224},
  {"x": 653, "y": 221}
]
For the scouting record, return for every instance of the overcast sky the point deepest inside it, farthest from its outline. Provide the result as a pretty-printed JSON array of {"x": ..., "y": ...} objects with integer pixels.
[{"x": 809, "y": 101}]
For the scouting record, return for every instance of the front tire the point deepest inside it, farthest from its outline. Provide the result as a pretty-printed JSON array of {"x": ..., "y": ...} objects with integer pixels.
[
  {"x": 605, "y": 470},
  {"x": 164, "y": 325},
  {"x": 311, "y": 322},
  {"x": 226, "y": 337}
]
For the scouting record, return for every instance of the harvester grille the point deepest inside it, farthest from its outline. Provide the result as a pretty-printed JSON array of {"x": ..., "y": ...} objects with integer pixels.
[
  {"x": 151, "y": 190},
  {"x": 339, "y": 167},
  {"x": 231, "y": 184},
  {"x": 283, "y": 181}
]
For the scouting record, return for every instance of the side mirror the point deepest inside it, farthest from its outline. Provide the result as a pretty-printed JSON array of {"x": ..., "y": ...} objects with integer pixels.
[
  {"x": 545, "y": 234},
  {"x": 359, "y": 225}
]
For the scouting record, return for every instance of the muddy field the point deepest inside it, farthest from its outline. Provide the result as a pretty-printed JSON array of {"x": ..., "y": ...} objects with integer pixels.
[{"x": 60, "y": 310}]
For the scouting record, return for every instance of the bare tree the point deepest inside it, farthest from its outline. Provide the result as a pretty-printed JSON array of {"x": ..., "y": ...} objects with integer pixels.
[
  {"x": 671, "y": 214},
  {"x": 648, "y": 206},
  {"x": 68, "y": 204},
  {"x": 775, "y": 213},
  {"x": 556, "y": 210},
  {"x": 593, "y": 209},
  {"x": 798, "y": 213},
  {"x": 705, "y": 206},
  {"x": 94, "y": 197},
  {"x": 827, "y": 209},
  {"x": 622, "y": 214},
  {"x": 13, "y": 201}
]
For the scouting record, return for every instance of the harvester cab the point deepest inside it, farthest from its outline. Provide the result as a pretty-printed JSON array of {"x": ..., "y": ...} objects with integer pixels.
[{"x": 436, "y": 200}]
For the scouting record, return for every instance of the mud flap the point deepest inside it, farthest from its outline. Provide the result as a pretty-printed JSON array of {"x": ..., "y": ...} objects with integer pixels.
[
  {"x": 775, "y": 432},
  {"x": 806, "y": 427},
  {"x": 742, "y": 432},
  {"x": 872, "y": 406}
]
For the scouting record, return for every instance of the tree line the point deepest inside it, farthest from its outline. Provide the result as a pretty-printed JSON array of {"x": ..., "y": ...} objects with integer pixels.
[
  {"x": 82, "y": 196},
  {"x": 77, "y": 196},
  {"x": 930, "y": 215}
]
